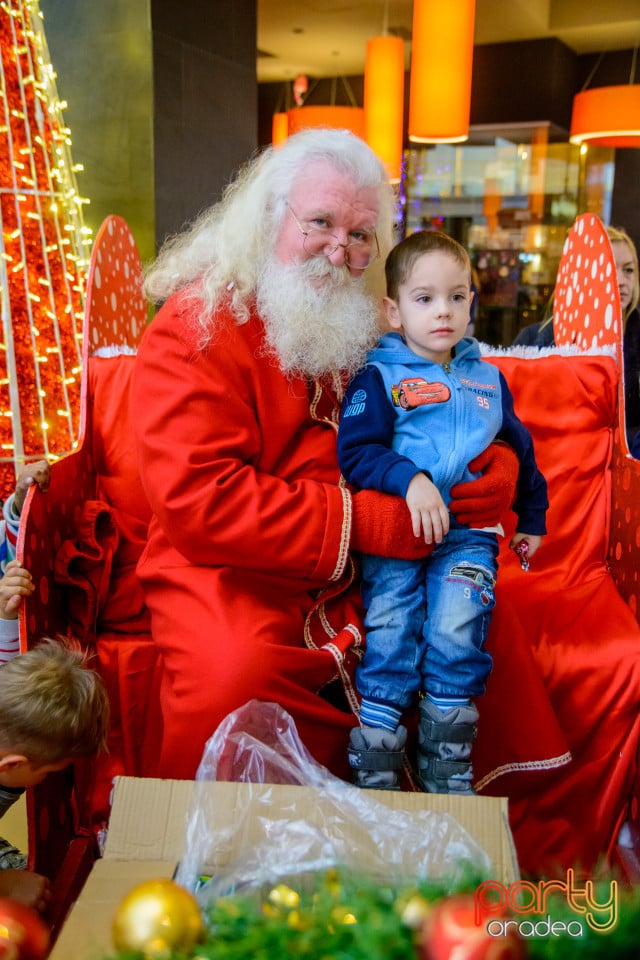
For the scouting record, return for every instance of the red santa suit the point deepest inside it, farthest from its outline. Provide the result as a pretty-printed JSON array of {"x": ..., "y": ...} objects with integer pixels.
[{"x": 248, "y": 546}]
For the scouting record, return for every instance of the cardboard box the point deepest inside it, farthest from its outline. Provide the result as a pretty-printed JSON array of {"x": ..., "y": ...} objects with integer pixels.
[{"x": 147, "y": 831}]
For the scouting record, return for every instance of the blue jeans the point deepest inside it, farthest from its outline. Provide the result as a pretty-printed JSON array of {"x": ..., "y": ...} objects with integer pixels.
[{"x": 427, "y": 621}]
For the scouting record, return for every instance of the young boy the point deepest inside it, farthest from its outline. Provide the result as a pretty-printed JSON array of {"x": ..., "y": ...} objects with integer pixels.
[
  {"x": 421, "y": 410},
  {"x": 16, "y": 581},
  {"x": 53, "y": 709}
]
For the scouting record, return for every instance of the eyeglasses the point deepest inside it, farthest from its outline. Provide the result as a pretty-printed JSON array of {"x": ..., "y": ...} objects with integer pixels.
[{"x": 359, "y": 252}]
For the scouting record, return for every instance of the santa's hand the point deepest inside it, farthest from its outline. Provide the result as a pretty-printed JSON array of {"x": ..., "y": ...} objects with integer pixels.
[
  {"x": 381, "y": 525},
  {"x": 482, "y": 502}
]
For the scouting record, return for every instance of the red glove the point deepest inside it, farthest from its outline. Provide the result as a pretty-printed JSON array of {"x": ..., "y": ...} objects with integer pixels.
[
  {"x": 483, "y": 501},
  {"x": 381, "y": 525}
]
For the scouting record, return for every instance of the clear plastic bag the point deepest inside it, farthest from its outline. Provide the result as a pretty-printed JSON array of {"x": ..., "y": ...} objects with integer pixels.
[{"x": 347, "y": 827}]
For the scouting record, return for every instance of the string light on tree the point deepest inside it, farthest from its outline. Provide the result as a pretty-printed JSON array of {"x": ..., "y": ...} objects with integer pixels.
[{"x": 44, "y": 252}]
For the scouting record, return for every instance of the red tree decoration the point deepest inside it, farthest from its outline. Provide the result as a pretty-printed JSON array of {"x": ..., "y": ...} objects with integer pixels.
[{"x": 43, "y": 255}]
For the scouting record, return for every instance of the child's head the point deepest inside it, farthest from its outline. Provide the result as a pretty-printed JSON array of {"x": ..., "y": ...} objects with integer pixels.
[
  {"x": 429, "y": 292},
  {"x": 53, "y": 709}
]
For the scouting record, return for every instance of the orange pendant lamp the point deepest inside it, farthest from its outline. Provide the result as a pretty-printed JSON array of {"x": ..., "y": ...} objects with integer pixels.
[
  {"x": 328, "y": 115},
  {"x": 607, "y": 116},
  {"x": 384, "y": 101},
  {"x": 441, "y": 62},
  {"x": 344, "y": 118},
  {"x": 279, "y": 128}
]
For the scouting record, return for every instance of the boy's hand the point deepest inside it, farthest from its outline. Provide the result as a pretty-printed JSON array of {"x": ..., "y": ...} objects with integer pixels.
[
  {"x": 429, "y": 514},
  {"x": 532, "y": 541},
  {"x": 32, "y": 889},
  {"x": 32, "y": 473},
  {"x": 14, "y": 585}
]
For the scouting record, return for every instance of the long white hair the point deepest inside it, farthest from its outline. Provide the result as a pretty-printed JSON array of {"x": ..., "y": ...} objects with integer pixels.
[{"x": 220, "y": 255}]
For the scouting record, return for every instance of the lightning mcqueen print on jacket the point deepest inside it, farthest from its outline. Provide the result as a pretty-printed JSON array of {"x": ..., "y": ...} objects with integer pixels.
[{"x": 414, "y": 391}]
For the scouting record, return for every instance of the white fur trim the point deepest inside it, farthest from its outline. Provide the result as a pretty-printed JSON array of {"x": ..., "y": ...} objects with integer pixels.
[
  {"x": 535, "y": 353},
  {"x": 115, "y": 350}
]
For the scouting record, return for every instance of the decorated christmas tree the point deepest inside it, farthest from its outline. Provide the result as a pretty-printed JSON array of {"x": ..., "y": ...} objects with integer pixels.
[{"x": 43, "y": 254}]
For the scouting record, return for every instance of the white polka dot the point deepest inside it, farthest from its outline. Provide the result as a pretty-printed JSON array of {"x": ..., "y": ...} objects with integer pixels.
[{"x": 608, "y": 316}]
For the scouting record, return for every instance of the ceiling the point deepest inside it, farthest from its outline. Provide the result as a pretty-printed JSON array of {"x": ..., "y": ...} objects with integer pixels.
[{"x": 327, "y": 38}]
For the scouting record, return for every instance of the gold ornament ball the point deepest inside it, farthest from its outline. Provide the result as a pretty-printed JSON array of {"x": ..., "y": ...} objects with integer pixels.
[{"x": 157, "y": 917}]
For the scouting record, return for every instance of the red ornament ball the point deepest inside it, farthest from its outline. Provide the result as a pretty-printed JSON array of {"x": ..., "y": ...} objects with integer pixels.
[
  {"x": 450, "y": 931},
  {"x": 23, "y": 933}
]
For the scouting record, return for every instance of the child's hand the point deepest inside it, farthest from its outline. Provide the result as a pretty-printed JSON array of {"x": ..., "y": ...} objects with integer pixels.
[
  {"x": 429, "y": 514},
  {"x": 32, "y": 473},
  {"x": 532, "y": 541},
  {"x": 32, "y": 889},
  {"x": 16, "y": 584}
]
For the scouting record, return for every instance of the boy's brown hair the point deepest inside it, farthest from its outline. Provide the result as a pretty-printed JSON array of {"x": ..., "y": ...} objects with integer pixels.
[
  {"x": 402, "y": 258},
  {"x": 52, "y": 706}
]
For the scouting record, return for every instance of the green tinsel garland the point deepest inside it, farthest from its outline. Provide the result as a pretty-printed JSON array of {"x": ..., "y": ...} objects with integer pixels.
[
  {"x": 338, "y": 915},
  {"x": 334, "y": 915}
]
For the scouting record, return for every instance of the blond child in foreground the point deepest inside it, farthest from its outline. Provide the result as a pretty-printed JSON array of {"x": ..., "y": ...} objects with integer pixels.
[{"x": 53, "y": 710}]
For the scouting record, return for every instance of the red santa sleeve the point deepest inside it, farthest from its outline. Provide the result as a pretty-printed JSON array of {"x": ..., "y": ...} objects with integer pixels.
[{"x": 239, "y": 469}]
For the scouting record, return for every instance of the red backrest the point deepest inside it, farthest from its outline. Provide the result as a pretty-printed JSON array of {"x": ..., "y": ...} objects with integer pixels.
[
  {"x": 61, "y": 842},
  {"x": 587, "y": 312}
]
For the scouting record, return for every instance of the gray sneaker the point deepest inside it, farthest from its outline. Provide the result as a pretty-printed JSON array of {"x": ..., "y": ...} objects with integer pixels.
[
  {"x": 376, "y": 757},
  {"x": 444, "y": 748}
]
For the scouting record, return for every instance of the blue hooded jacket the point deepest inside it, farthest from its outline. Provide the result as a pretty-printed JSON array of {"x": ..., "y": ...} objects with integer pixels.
[{"x": 403, "y": 414}]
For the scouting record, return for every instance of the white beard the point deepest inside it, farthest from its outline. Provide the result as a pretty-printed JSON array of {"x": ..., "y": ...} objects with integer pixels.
[{"x": 316, "y": 328}]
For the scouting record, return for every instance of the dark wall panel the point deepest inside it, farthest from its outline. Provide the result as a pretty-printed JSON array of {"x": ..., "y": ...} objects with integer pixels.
[
  {"x": 625, "y": 205},
  {"x": 205, "y": 102},
  {"x": 523, "y": 82},
  {"x": 225, "y": 28}
]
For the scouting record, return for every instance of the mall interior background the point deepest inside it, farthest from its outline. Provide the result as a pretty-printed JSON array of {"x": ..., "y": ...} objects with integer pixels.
[{"x": 164, "y": 106}]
